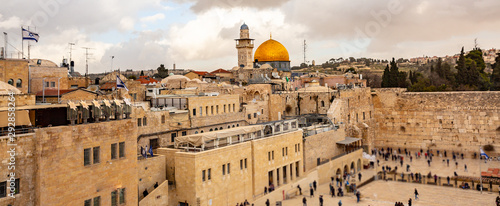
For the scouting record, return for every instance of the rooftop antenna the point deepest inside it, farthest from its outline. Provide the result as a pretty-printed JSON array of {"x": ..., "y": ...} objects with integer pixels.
[
  {"x": 5, "y": 50},
  {"x": 70, "y": 50},
  {"x": 87, "y": 54}
]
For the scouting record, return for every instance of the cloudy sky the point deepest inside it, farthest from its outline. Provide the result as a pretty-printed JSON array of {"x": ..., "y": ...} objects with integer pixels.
[{"x": 200, "y": 35}]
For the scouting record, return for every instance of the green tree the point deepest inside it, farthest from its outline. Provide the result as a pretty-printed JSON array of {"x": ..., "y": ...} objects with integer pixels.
[
  {"x": 461, "y": 77},
  {"x": 142, "y": 73},
  {"x": 495, "y": 75},
  {"x": 477, "y": 56},
  {"x": 132, "y": 77},
  {"x": 385, "y": 77}
]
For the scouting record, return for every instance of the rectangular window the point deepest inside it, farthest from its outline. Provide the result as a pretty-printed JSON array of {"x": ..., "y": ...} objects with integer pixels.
[
  {"x": 3, "y": 189},
  {"x": 144, "y": 121},
  {"x": 88, "y": 202},
  {"x": 163, "y": 119},
  {"x": 249, "y": 116},
  {"x": 201, "y": 111},
  {"x": 122, "y": 149},
  {"x": 370, "y": 114},
  {"x": 217, "y": 109},
  {"x": 298, "y": 147},
  {"x": 114, "y": 201},
  {"x": 209, "y": 174},
  {"x": 113, "y": 151},
  {"x": 212, "y": 110},
  {"x": 97, "y": 201},
  {"x": 363, "y": 115},
  {"x": 47, "y": 84},
  {"x": 241, "y": 164},
  {"x": 172, "y": 137},
  {"x": 286, "y": 151},
  {"x": 229, "y": 107},
  {"x": 52, "y": 84},
  {"x": 139, "y": 120},
  {"x": 184, "y": 133},
  {"x": 234, "y": 107},
  {"x": 97, "y": 154},
  {"x": 86, "y": 157},
  {"x": 122, "y": 195},
  {"x": 203, "y": 175},
  {"x": 269, "y": 156},
  {"x": 283, "y": 151},
  {"x": 194, "y": 112},
  {"x": 254, "y": 115},
  {"x": 224, "y": 169},
  {"x": 245, "y": 163},
  {"x": 16, "y": 189},
  {"x": 224, "y": 108},
  {"x": 228, "y": 168},
  {"x": 272, "y": 154},
  {"x": 295, "y": 148}
]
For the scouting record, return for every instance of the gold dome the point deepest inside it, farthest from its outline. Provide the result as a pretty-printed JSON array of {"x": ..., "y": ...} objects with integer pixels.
[{"x": 271, "y": 51}]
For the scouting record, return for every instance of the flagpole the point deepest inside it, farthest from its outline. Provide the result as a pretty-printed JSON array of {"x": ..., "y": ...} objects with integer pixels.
[
  {"x": 22, "y": 43},
  {"x": 480, "y": 175}
]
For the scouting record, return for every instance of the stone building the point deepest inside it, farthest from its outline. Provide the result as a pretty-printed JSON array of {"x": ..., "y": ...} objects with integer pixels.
[{"x": 16, "y": 73}]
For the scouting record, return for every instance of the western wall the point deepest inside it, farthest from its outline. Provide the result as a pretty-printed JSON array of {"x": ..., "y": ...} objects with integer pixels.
[{"x": 454, "y": 121}]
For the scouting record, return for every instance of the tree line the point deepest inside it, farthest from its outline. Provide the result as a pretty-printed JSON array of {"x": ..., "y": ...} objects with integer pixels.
[{"x": 468, "y": 75}]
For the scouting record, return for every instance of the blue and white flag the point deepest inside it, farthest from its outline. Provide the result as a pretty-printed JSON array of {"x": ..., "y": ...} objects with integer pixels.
[
  {"x": 28, "y": 35},
  {"x": 483, "y": 153},
  {"x": 151, "y": 150},
  {"x": 119, "y": 83}
]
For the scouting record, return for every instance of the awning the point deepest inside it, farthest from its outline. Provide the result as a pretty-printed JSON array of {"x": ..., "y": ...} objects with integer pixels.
[
  {"x": 22, "y": 118},
  {"x": 200, "y": 139},
  {"x": 348, "y": 140}
]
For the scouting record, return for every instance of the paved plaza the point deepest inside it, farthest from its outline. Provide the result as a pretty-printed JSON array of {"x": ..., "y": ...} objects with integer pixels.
[{"x": 382, "y": 192}]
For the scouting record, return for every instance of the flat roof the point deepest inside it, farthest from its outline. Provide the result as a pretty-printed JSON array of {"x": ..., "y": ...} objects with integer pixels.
[{"x": 348, "y": 140}]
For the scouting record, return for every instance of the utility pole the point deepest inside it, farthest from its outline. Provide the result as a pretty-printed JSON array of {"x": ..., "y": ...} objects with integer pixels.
[
  {"x": 6, "y": 42},
  {"x": 112, "y": 57}
]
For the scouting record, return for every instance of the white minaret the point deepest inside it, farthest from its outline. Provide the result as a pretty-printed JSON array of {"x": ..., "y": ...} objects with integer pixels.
[{"x": 244, "y": 45}]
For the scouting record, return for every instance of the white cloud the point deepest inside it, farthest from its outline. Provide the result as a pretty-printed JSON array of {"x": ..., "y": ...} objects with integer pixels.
[
  {"x": 10, "y": 23},
  {"x": 153, "y": 18},
  {"x": 127, "y": 23}
]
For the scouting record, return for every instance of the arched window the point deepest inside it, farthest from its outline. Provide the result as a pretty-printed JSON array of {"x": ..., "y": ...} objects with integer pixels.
[
  {"x": 220, "y": 128},
  {"x": 216, "y": 129},
  {"x": 19, "y": 83},
  {"x": 11, "y": 82},
  {"x": 322, "y": 103},
  {"x": 211, "y": 130},
  {"x": 196, "y": 132},
  {"x": 201, "y": 131},
  {"x": 237, "y": 125}
]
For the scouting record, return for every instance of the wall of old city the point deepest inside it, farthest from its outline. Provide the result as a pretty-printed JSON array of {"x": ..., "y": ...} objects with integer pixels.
[
  {"x": 151, "y": 170},
  {"x": 314, "y": 102},
  {"x": 350, "y": 163},
  {"x": 459, "y": 121},
  {"x": 63, "y": 179}
]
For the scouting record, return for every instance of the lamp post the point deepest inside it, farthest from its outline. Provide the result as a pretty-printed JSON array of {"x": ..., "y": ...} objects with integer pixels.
[
  {"x": 43, "y": 92},
  {"x": 58, "y": 97}
]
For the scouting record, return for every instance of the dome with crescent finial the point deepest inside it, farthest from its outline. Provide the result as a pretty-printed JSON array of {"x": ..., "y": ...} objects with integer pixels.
[{"x": 271, "y": 50}]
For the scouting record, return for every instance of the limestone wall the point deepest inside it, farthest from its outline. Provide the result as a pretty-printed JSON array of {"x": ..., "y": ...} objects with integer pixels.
[
  {"x": 63, "y": 179},
  {"x": 151, "y": 170},
  {"x": 21, "y": 100},
  {"x": 351, "y": 162},
  {"x": 51, "y": 74},
  {"x": 25, "y": 168},
  {"x": 322, "y": 146},
  {"x": 459, "y": 121},
  {"x": 15, "y": 69},
  {"x": 158, "y": 197}
]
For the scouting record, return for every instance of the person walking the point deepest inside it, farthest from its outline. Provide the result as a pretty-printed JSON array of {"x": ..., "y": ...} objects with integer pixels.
[
  {"x": 311, "y": 191},
  {"x": 300, "y": 189},
  {"x": 448, "y": 179},
  {"x": 340, "y": 202},
  {"x": 304, "y": 201},
  {"x": 321, "y": 200},
  {"x": 359, "y": 176},
  {"x": 267, "y": 202},
  {"x": 332, "y": 190},
  {"x": 448, "y": 162},
  {"x": 465, "y": 167},
  {"x": 429, "y": 162},
  {"x": 409, "y": 202},
  {"x": 358, "y": 195},
  {"x": 314, "y": 185},
  {"x": 416, "y": 194}
]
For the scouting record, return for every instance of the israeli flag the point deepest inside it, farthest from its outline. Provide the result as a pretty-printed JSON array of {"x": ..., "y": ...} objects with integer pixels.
[
  {"x": 28, "y": 35},
  {"x": 483, "y": 153},
  {"x": 119, "y": 83}
]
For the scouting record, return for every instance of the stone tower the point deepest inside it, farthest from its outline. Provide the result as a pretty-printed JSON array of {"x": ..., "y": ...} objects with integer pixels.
[{"x": 244, "y": 45}]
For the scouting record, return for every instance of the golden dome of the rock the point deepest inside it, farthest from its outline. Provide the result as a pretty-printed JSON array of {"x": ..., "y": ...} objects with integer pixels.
[{"x": 271, "y": 51}]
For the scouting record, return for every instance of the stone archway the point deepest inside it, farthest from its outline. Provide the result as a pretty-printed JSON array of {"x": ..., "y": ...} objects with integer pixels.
[
  {"x": 353, "y": 168},
  {"x": 359, "y": 165},
  {"x": 268, "y": 130},
  {"x": 346, "y": 169}
]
